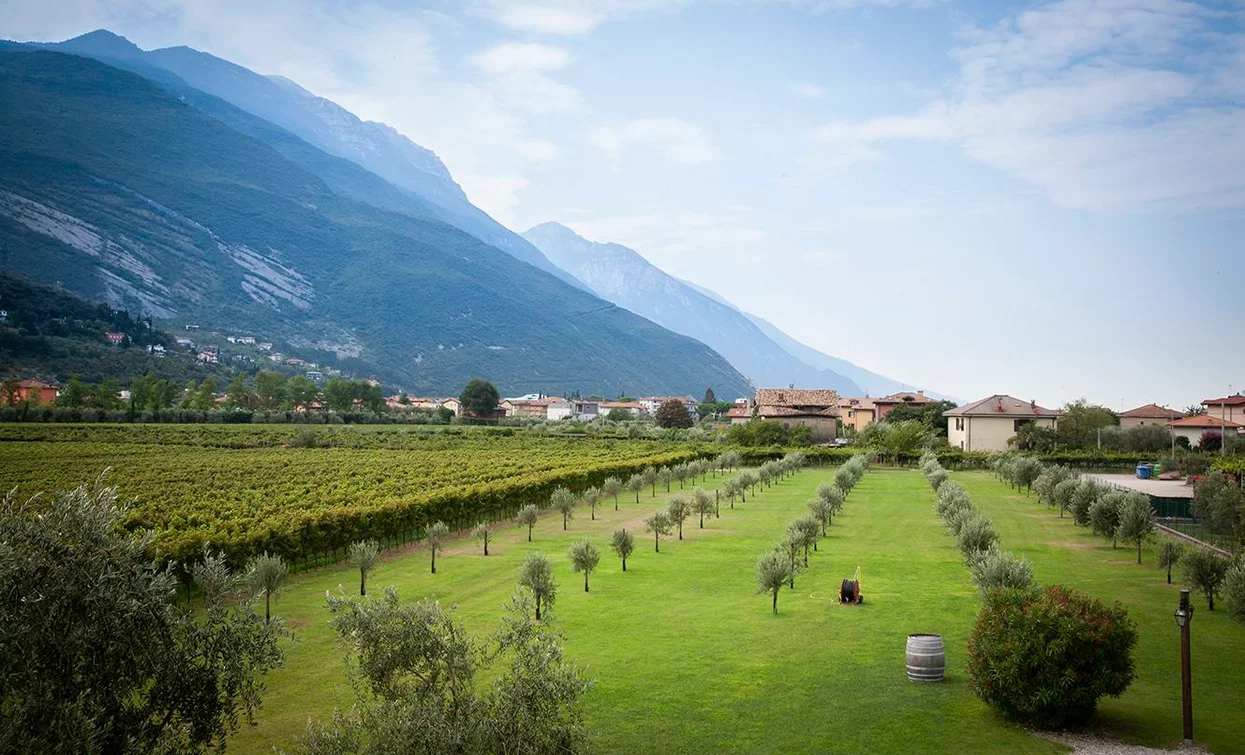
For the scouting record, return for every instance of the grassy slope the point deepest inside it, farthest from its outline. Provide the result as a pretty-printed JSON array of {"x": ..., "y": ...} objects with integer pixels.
[
  {"x": 686, "y": 656},
  {"x": 1149, "y": 712}
]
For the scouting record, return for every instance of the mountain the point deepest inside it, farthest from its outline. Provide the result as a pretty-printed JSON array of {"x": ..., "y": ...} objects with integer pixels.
[
  {"x": 377, "y": 148},
  {"x": 124, "y": 192},
  {"x": 623, "y": 276}
]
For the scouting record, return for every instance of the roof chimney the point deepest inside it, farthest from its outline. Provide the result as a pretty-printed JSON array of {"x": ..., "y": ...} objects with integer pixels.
[{"x": 920, "y": 392}]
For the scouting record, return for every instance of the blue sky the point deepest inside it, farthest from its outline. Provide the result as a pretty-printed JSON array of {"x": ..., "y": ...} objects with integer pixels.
[{"x": 1042, "y": 199}]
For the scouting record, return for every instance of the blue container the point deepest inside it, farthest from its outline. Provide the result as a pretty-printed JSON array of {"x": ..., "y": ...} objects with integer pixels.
[{"x": 1143, "y": 471}]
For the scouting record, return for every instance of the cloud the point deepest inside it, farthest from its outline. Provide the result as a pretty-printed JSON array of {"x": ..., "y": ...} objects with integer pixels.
[
  {"x": 806, "y": 91},
  {"x": 679, "y": 141},
  {"x": 545, "y": 18},
  {"x": 1102, "y": 104},
  {"x": 518, "y": 74}
]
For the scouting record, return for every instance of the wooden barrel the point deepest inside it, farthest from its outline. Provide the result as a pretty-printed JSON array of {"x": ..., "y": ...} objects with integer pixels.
[{"x": 926, "y": 660}]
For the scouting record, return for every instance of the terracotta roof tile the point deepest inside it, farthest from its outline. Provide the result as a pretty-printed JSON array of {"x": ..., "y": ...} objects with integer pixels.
[
  {"x": 1001, "y": 405},
  {"x": 796, "y": 397},
  {"x": 1204, "y": 420},
  {"x": 1152, "y": 411}
]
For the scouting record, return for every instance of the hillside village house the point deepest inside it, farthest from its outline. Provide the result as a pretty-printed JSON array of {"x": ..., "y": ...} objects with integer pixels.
[
  {"x": 883, "y": 406},
  {"x": 452, "y": 404},
  {"x": 856, "y": 413},
  {"x": 739, "y": 414},
  {"x": 1191, "y": 428},
  {"x": 991, "y": 423},
  {"x": 1150, "y": 414},
  {"x": 651, "y": 404},
  {"x": 34, "y": 391},
  {"x": 815, "y": 409},
  {"x": 537, "y": 408},
  {"x": 1231, "y": 408},
  {"x": 634, "y": 408}
]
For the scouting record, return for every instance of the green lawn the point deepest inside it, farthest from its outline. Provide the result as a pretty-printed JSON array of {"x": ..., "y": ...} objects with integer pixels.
[
  {"x": 1149, "y": 712},
  {"x": 687, "y": 658}
]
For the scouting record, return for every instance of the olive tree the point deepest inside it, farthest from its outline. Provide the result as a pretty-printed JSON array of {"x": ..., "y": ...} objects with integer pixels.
[
  {"x": 1234, "y": 590},
  {"x": 537, "y": 576},
  {"x": 773, "y": 571},
  {"x": 807, "y": 530},
  {"x": 623, "y": 544},
  {"x": 591, "y": 497},
  {"x": 483, "y": 533},
  {"x": 527, "y": 518},
  {"x": 820, "y": 508},
  {"x": 1168, "y": 555},
  {"x": 436, "y": 535},
  {"x": 833, "y": 496},
  {"x": 702, "y": 504},
  {"x": 612, "y": 487},
  {"x": 791, "y": 547},
  {"x": 1136, "y": 520},
  {"x": 417, "y": 691},
  {"x": 95, "y": 653},
  {"x": 678, "y": 510},
  {"x": 1104, "y": 515},
  {"x": 635, "y": 483},
  {"x": 659, "y": 524},
  {"x": 1204, "y": 571},
  {"x": 265, "y": 574},
  {"x": 584, "y": 558},
  {"x": 365, "y": 554},
  {"x": 649, "y": 476},
  {"x": 564, "y": 501},
  {"x": 995, "y": 568}
]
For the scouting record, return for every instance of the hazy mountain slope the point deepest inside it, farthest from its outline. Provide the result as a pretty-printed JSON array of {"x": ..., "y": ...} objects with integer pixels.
[
  {"x": 624, "y": 277},
  {"x": 127, "y": 194},
  {"x": 375, "y": 146}
]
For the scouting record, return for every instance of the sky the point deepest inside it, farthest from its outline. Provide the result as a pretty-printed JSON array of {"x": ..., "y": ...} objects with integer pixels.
[{"x": 1045, "y": 199}]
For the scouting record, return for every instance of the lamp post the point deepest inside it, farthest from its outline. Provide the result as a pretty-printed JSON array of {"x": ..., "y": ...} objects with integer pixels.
[{"x": 1184, "y": 617}]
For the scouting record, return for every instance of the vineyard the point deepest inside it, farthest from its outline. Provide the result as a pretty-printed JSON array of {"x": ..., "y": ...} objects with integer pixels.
[{"x": 248, "y": 489}]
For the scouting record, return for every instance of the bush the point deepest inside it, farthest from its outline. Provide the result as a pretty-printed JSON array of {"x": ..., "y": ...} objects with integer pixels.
[
  {"x": 1046, "y": 657},
  {"x": 1234, "y": 590},
  {"x": 994, "y": 569},
  {"x": 976, "y": 535}
]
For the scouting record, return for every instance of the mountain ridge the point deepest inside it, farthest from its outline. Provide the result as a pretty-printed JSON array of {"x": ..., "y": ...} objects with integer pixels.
[
  {"x": 625, "y": 277},
  {"x": 127, "y": 193}
]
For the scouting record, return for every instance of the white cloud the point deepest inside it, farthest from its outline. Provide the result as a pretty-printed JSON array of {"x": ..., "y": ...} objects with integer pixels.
[
  {"x": 1100, "y": 103},
  {"x": 679, "y": 141},
  {"x": 545, "y": 18},
  {"x": 806, "y": 91},
  {"x": 518, "y": 74}
]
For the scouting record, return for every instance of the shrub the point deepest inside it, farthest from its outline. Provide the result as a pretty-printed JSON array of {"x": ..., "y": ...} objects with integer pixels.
[
  {"x": 1046, "y": 657},
  {"x": 994, "y": 569},
  {"x": 1234, "y": 590},
  {"x": 976, "y": 535},
  {"x": 1204, "y": 571}
]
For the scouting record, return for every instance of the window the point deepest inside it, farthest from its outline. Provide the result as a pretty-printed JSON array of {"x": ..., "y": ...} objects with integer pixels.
[
  {"x": 959, "y": 423},
  {"x": 1020, "y": 423}
]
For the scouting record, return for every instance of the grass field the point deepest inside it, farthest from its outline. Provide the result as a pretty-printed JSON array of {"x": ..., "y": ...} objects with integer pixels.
[{"x": 687, "y": 658}]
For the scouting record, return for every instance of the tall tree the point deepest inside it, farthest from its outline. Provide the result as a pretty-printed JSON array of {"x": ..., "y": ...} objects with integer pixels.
[
  {"x": 584, "y": 558},
  {"x": 623, "y": 544},
  {"x": 537, "y": 576},
  {"x": 74, "y": 394},
  {"x": 436, "y": 534},
  {"x": 479, "y": 398},
  {"x": 270, "y": 389},
  {"x": 265, "y": 574},
  {"x": 237, "y": 396},
  {"x": 205, "y": 398},
  {"x": 702, "y": 504},
  {"x": 673, "y": 413},
  {"x": 300, "y": 392},
  {"x": 527, "y": 518},
  {"x": 710, "y": 398},
  {"x": 635, "y": 483},
  {"x": 364, "y": 554}
]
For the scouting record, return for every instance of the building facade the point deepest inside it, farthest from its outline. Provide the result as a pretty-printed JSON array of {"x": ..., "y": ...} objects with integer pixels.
[{"x": 991, "y": 423}]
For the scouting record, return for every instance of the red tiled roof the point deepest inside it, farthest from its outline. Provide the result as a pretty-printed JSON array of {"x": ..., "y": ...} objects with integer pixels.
[
  {"x": 1236, "y": 400},
  {"x": 1204, "y": 420},
  {"x": 1152, "y": 411},
  {"x": 796, "y": 397},
  {"x": 739, "y": 411},
  {"x": 787, "y": 411},
  {"x": 1001, "y": 405},
  {"x": 904, "y": 397}
]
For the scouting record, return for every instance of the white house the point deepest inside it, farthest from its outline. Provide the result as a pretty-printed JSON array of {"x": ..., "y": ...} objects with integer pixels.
[
  {"x": 991, "y": 423},
  {"x": 1191, "y": 428},
  {"x": 574, "y": 409}
]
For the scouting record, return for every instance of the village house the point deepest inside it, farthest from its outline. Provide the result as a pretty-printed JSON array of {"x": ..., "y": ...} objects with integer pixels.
[
  {"x": 1192, "y": 428},
  {"x": 526, "y": 406},
  {"x": 295, "y": 361},
  {"x": 114, "y": 337},
  {"x": 208, "y": 356},
  {"x": 185, "y": 343},
  {"x": 247, "y": 340},
  {"x": 883, "y": 406},
  {"x": 815, "y": 409},
  {"x": 739, "y": 414},
  {"x": 452, "y": 404},
  {"x": 650, "y": 404},
  {"x": 1231, "y": 408},
  {"x": 578, "y": 409},
  {"x": 991, "y": 423},
  {"x": 33, "y": 391},
  {"x": 315, "y": 376},
  {"x": 264, "y": 346},
  {"x": 634, "y": 408},
  {"x": 1150, "y": 414},
  {"x": 856, "y": 413}
]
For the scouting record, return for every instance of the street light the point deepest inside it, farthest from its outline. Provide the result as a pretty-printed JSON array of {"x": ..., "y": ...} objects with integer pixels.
[{"x": 1184, "y": 617}]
